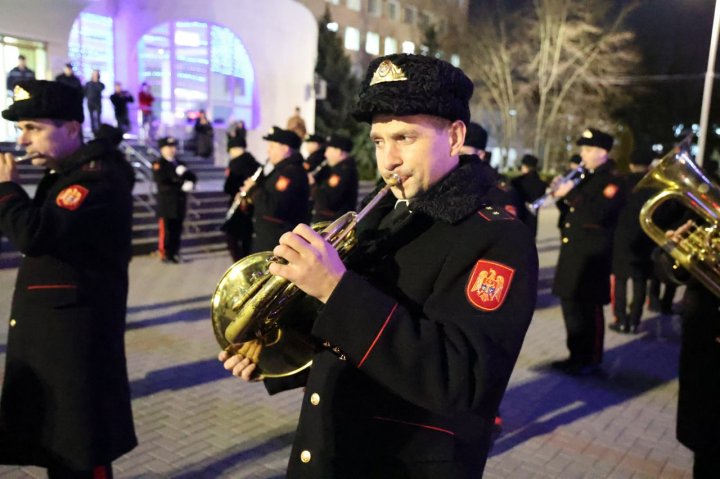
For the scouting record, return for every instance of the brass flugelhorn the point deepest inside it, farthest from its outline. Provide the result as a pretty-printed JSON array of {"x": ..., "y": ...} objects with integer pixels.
[
  {"x": 268, "y": 318},
  {"x": 237, "y": 202},
  {"x": 573, "y": 175},
  {"x": 677, "y": 177}
]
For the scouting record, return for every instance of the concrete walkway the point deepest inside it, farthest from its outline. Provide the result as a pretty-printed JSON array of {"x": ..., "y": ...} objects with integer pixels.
[{"x": 195, "y": 421}]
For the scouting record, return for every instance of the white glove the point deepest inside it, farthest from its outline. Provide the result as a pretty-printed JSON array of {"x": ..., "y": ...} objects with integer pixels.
[
  {"x": 180, "y": 170},
  {"x": 187, "y": 186}
]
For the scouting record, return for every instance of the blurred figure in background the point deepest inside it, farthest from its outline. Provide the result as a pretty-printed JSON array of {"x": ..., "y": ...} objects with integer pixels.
[
  {"x": 68, "y": 77},
  {"x": 530, "y": 187},
  {"x": 120, "y": 99},
  {"x": 20, "y": 73},
  {"x": 204, "y": 135},
  {"x": 145, "y": 103},
  {"x": 336, "y": 186},
  {"x": 93, "y": 94}
]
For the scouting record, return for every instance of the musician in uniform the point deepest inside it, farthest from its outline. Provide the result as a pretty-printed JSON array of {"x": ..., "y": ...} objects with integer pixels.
[
  {"x": 632, "y": 249},
  {"x": 698, "y": 415},
  {"x": 336, "y": 186},
  {"x": 582, "y": 276},
  {"x": 422, "y": 326},
  {"x": 238, "y": 229},
  {"x": 280, "y": 199},
  {"x": 502, "y": 195},
  {"x": 530, "y": 187},
  {"x": 315, "y": 147},
  {"x": 65, "y": 403},
  {"x": 174, "y": 180}
]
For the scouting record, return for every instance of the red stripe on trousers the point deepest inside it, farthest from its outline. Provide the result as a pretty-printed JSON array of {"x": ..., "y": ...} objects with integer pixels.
[
  {"x": 613, "y": 282},
  {"x": 161, "y": 237}
]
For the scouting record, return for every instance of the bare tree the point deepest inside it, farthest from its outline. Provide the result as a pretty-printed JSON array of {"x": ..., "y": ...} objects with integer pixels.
[{"x": 546, "y": 70}]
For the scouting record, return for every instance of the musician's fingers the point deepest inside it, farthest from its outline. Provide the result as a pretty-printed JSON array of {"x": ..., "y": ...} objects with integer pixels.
[
  {"x": 311, "y": 236},
  {"x": 286, "y": 252}
]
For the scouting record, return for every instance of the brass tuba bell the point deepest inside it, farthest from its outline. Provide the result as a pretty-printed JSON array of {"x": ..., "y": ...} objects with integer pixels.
[
  {"x": 677, "y": 177},
  {"x": 268, "y": 318}
]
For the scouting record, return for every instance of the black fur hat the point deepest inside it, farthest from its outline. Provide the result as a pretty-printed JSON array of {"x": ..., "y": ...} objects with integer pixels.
[
  {"x": 315, "y": 138},
  {"x": 593, "y": 137},
  {"x": 342, "y": 142},
  {"x": 476, "y": 136},
  {"x": 42, "y": 99},
  {"x": 286, "y": 137},
  {"x": 236, "y": 141},
  {"x": 403, "y": 84},
  {"x": 529, "y": 160}
]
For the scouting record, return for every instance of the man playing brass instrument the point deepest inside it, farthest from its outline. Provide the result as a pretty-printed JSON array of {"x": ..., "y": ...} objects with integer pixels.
[{"x": 422, "y": 326}]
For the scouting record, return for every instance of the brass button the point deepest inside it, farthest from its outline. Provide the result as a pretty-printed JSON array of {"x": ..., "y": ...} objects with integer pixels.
[
  {"x": 305, "y": 456},
  {"x": 12, "y": 323},
  {"x": 565, "y": 240},
  {"x": 315, "y": 399},
  {"x": 567, "y": 225},
  {"x": 572, "y": 209}
]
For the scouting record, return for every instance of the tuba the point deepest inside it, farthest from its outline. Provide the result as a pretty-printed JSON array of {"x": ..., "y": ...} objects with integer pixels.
[
  {"x": 265, "y": 317},
  {"x": 678, "y": 178}
]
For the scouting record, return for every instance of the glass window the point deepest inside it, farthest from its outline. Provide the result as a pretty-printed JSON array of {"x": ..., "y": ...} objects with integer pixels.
[
  {"x": 354, "y": 4},
  {"x": 409, "y": 15},
  {"x": 203, "y": 67},
  {"x": 333, "y": 26},
  {"x": 408, "y": 47},
  {"x": 393, "y": 10},
  {"x": 423, "y": 19},
  {"x": 352, "y": 39},
  {"x": 374, "y": 7},
  {"x": 91, "y": 47},
  {"x": 372, "y": 43},
  {"x": 390, "y": 46}
]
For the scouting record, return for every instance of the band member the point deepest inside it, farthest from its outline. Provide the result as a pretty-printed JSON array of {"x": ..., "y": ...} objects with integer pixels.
[
  {"x": 582, "y": 276},
  {"x": 174, "y": 181},
  {"x": 530, "y": 187},
  {"x": 238, "y": 229},
  {"x": 280, "y": 200},
  {"x": 120, "y": 100},
  {"x": 315, "y": 147},
  {"x": 93, "y": 94},
  {"x": 65, "y": 403},
  {"x": 632, "y": 250},
  {"x": 336, "y": 186},
  {"x": 698, "y": 418},
  {"x": 421, "y": 328}
]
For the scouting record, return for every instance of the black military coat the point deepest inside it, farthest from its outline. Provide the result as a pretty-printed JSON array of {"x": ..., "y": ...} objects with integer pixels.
[
  {"x": 65, "y": 396},
  {"x": 530, "y": 187},
  {"x": 171, "y": 199},
  {"x": 632, "y": 248},
  {"x": 336, "y": 191},
  {"x": 314, "y": 160},
  {"x": 426, "y": 325},
  {"x": 591, "y": 212},
  {"x": 239, "y": 169},
  {"x": 280, "y": 202}
]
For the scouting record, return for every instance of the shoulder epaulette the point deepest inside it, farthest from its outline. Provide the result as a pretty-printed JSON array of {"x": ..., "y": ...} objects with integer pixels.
[{"x": 491, "y": 213}]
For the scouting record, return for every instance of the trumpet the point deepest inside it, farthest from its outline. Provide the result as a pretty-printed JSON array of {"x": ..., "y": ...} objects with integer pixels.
[{"x": 575, "y": 176}]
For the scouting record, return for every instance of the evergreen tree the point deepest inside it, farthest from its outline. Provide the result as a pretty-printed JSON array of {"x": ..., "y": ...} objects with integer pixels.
[{"x": 332, "y": 114}]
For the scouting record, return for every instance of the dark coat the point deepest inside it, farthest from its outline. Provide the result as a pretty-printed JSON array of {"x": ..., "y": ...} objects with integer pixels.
[
  {"x": 16, "y": 75},
  {"x": 591, "y": 211},
  {"x": 632, "y": 248},
  {"x": 280, "y": 202},
  {"x": 171, "y": 199},
  {"x": 419, "y": 371},
  {"x": 530, "y": 187},
  {"x": 120, "y": 103},
  {"x": 239, "y": 169},
  {"x": 204, "y": 135},
  {"x": 336, "y": 191},
  {"x": 66, "y": 396},
  {"x": 70, "y": 80},
  {"x": 314, "y": 160},
  {"x": 93, "y": 93}
]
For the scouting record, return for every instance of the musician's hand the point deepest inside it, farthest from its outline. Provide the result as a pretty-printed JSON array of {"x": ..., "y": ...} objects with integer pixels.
[
  {"x": 563, "y": 189},
  {"x": 238, "y": 196},
  {"x": 8, "y": 170},
  {"x": 311, "y": 179},
  {"x": 676, "y": 235},
  {"x": 242, "y": 363},
  {"x": 249, "y": 183},
  {"x": 313, "y": 264}
]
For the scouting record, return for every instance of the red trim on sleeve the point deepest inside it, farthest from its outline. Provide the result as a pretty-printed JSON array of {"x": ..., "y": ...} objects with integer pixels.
[
  {"x": 382, "y": 329},
  {"x": 424, "y": 426},
  {"x": 51, "y": 286}
]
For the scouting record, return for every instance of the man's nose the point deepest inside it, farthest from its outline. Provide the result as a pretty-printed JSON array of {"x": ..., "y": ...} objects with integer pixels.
[{"x": 392, "y": 158}]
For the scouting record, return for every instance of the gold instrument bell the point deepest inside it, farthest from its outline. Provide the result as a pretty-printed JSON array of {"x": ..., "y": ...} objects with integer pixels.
[
  {"x": 267, "y": 318},
  {"x": 678, "y": 178}
]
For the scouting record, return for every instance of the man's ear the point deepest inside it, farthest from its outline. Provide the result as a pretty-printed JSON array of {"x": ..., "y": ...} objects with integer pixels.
[
  {"x": 74, "y": 129},
  {"x": 457, "y": 137}
]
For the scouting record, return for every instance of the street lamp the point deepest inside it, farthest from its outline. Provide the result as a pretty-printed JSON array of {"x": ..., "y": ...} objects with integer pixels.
[{"x": 707, "y": 91}]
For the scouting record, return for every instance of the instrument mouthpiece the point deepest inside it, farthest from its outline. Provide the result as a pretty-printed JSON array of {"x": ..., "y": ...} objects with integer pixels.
[{"x": 394, "y": 180}]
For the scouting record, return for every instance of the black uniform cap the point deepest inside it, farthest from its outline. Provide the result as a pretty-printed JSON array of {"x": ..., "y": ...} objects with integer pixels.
[
  {"x": 593, "y": 137},
  {"x": 339, "y": 141},
  {"x": 530, "y": 160},
  {"x": 286, "y": 137},
  {"x": 402, "y": 85},
  {"x": 42, "y": 99},
  {"x": 236, "y": 141},
  {"x": 577, "y": 159},
  {"x": 167, "y": 141},
  {"x": 315, "y": 138},
  {"x": 476, "y": 136}
]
